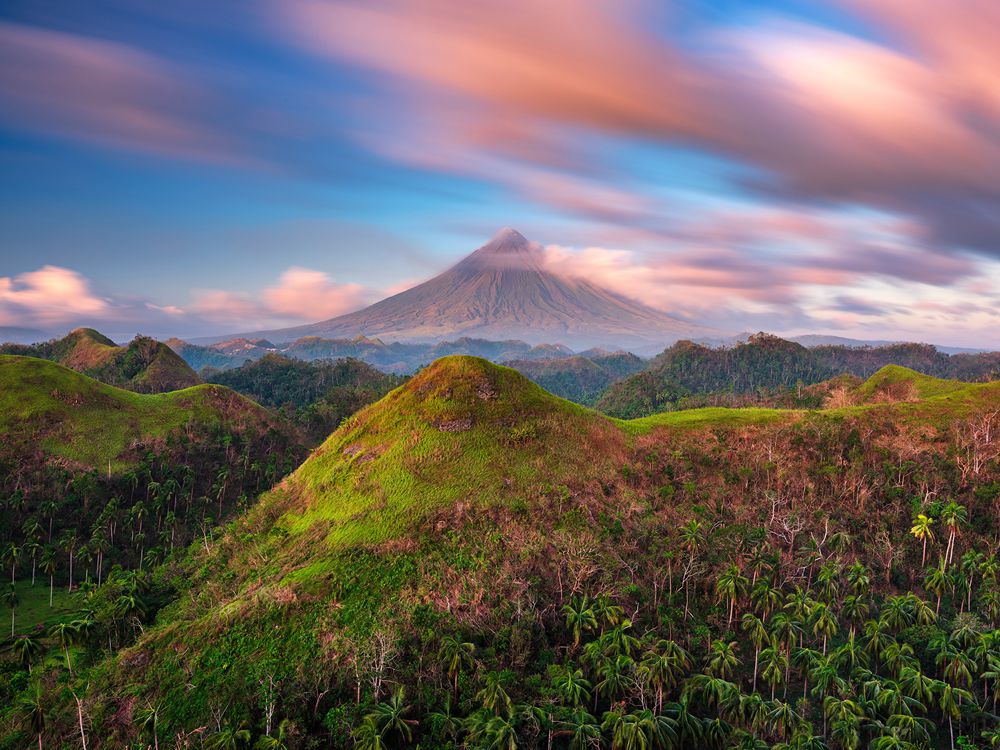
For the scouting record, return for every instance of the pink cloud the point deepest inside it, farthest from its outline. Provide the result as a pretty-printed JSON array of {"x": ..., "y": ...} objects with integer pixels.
[
  {"x": 50, "y": 295},
  {"x": 107, "y": 93},
  {"x": 301, "y": 295},
  {"x": 820, "y": 115}
]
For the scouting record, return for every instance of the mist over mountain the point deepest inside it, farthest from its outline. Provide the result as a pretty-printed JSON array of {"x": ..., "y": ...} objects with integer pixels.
[{"x": 503, "y": 290}]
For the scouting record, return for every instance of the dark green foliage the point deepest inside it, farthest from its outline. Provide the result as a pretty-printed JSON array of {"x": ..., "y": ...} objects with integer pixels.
[
  {"x": 770, "y": 371},
  {"x": 579, "y": 378},
  {"x": 317, "y": 395}
]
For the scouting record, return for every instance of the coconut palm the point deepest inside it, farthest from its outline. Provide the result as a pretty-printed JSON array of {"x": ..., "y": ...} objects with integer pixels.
[
  {"x": 582, "y": 730},
  {"x": 774, "y": 661},
  {"x": 65, "y": 633},
  {"x": 389, "y": 717},
  {"x": 48, "y": 566},
  {"x": 756, "y": 631},
  {"x": 824, "y": 622},
  {"x": 25, "y": 649},
  {"x": 31, "y": 708},
  {"x": 722, "y": 660},
  {"x": 731, "y": 585},
  {"x": 922, "y": 530},
  {"x": 494, "y": 698},
  {"x": 580, "y": 617},
  {"x": 11, "y": 599},
  {"x": 572, "y": 687},
  {"x": 456, "y": 655},
  {"x": 953, "y": 515}
]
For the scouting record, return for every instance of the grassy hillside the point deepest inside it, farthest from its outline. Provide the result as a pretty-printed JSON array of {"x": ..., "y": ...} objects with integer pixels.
[
  {"x": 68, "y": 415},
  {"x": 470, "y": 507},
  {"x": 143, "y": 365}
]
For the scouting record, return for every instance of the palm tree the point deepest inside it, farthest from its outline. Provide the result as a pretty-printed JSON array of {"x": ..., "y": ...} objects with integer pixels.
[
  {"x": 25, "y": 649},
  {"x": 922, "y": 530},
  {"x": 229, "y": 738},
  {"x": 953, "y": 515},
  {"x": 764, "y": 597},
  {"x": 854, "y": 610},
  {"x": 615, "y": 674},
  {"x": 722, "y": 659},
  {"x": 66, "y": 633},
  {"x": 582, "y": 729},
  {"x": 858, "y": 580},
  {"x": 32, "y": 710},
  {"x": 48, "y": 566},
  {"x": 494, "y": 698},
  {"x": 731, "y": 585},
  {"x": 580, "y": 617},
  {"x": 11, "y": 600},
  {"x": 12, "y": 553},
  {"x": 572, "y": 687},
  {"x": 775, "y": 665},
  {"x": 824, "y": 622},
  {"x": 949, "y": 701},
  {"x": 756, "y": 631},
  {"x": 389, "y": 717},
  {"x": 456, "y": 655},
  {"x": 607, "y": 612}
]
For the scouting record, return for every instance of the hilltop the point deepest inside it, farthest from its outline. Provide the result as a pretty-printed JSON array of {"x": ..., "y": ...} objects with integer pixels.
[
  {"x": 144, "y": 365},
  {"x": 471, "y": 501}
]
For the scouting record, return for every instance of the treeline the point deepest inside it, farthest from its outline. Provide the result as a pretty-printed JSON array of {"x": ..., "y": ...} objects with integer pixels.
[
  {"x": 317, "y": 395},
  {"x": 72, "y": 525},
  {"x": 765, "y": 366},
  {"x": 581, "y": 378}
]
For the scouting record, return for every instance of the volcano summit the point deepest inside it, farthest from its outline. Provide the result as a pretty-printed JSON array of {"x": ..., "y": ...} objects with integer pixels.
[{"x": 504, "y": 290}]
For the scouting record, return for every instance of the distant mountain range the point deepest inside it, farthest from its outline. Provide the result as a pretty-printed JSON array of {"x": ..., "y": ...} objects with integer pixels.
[{"x": 504, "y": 291}]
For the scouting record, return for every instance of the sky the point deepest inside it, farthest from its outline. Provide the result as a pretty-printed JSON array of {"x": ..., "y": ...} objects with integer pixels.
[{"x": 192, "y": 168}]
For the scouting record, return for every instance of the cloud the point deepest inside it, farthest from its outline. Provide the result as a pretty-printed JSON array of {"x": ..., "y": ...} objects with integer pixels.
[
  {"x": 110, "y": 94},
  {"x": 56, "y": 299},
  {"x": 819, "y": 116},
  {"x": 301, "y": 295},
  {"x": 49, "y": 296}
]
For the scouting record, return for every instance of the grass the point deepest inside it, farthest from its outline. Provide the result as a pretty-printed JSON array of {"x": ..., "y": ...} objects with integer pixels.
[
  {"x": 75, "y": 417},
  {"x": 918, "y": 385},
  {"x": 33, "y": 605},
  {"x": 710, "y": 416}
]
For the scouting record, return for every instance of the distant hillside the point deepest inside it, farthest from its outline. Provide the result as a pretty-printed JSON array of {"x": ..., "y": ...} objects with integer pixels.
[
  {"x": 579, "y": 378},
  {"x": 144, "y": 365},
  {"x": 394, "y": 357},
  {"x": 316, "y": 395},
  {"x": 445, "y": 540},
  {"x": 689, "y": 374}
]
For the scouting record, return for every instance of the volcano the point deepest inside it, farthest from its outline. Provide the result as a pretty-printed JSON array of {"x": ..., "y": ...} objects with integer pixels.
[{"x": 504, "y": 290}]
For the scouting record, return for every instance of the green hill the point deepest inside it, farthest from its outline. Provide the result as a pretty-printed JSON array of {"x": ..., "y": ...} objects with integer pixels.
[
  {"x": 143, "y": 365},
  {"x": 470, "y": 500},
  {"x": 49, "y": 408}
]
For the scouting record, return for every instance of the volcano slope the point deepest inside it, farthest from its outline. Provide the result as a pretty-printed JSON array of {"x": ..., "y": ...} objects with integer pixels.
[{"x": 442, "y": 539}]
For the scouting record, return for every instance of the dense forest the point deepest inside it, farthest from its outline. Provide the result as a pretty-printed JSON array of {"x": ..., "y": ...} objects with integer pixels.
[
  {"x": 315, "y": 395},
  {"x": 766, "y": 366},
  {"x": 472, "y": 563},
  {"x": 581, "y": 378}
]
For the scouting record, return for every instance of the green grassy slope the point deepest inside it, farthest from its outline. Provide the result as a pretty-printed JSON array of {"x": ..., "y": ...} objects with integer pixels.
[
  {"x": 143, "y": 365},
  {"x": 450, "y": 497},
  {"x": 80, "y": 419}
]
